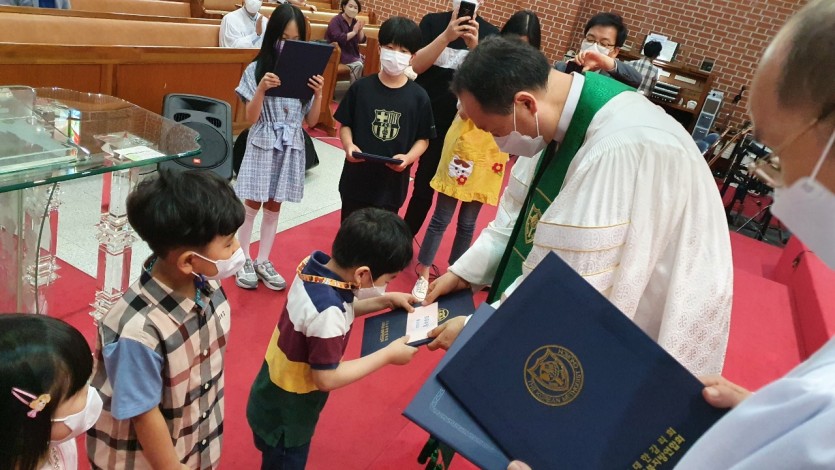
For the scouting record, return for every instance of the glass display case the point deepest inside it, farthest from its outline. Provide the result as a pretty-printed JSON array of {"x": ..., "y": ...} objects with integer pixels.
[{"x": 49, "y": 135}]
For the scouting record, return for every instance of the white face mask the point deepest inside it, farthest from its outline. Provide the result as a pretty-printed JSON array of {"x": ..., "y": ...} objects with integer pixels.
[
  {"x": 519, "y": 144},
  {"x": 350, "y": 10},
  {"x": 808, "y": 210},
  {"x": 363, "y": 293},
  {"x": 587, "y": 45},
  {"x": 394, "y": 63},
  {"x": 84, "y": 419},
  {"x": 226, "y": 267},
  {"x": 252, "y": 6}
]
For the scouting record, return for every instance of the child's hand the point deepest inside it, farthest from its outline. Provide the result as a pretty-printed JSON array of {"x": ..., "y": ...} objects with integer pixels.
[
  {"x": 269, "y": 80},
  {"x": 349, "y": 154},
  {"x": 402, "y": 166},
  {"x": 316, "y": 83},
  {"x": 399, "y": 352},
  {"x": 401, "y": 300}
]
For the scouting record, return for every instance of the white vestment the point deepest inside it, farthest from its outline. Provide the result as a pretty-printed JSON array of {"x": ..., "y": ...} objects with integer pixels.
[
  {"x": 787, "y": 424},
  {"x": 237, "y": 29},
  {"x": 640, "y": 218}
]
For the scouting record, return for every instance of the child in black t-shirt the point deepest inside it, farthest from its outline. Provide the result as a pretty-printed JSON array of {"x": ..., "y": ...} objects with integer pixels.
[{"x": 385, "y": 114}]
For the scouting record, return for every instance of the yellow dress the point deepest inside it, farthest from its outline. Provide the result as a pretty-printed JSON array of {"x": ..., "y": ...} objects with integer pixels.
[{"x": 472, "y": 166}]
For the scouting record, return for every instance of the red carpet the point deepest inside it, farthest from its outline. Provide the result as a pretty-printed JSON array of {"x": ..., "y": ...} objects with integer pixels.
[{"x": 362, "y": 426}]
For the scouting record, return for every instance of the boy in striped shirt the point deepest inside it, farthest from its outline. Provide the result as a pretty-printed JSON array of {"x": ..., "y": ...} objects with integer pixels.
[{"x": 303, "y": 359}]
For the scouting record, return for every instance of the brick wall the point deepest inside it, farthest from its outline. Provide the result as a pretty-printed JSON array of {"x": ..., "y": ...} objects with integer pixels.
[{"x": 733, "y": 32}]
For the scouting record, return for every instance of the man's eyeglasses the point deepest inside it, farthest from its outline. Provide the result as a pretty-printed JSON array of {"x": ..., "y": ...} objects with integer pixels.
[{"x": 767, "y": 169}]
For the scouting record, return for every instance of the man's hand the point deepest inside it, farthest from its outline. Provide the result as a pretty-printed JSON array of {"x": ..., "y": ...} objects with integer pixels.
[
  {"x": 594, "y": 61},
  {"x": 449, "y": 282},
  {"x": 406, "y": 161},
  {"x": 470, "y": 37},
  {"x": 517, "y": 465},
  {"x": 316, "y": 83},
  {"x": 259, "y": 25},
  {"x": 269, "y": 80},
  {"x": 445, "y": 334},
  {"x": 399, "y": 353},
  {"x": 721, "y": 392},
  {"x": 401, "y": 300},
  {"x": 458, "y": 26},
  {"x": 349, "y": 151}
]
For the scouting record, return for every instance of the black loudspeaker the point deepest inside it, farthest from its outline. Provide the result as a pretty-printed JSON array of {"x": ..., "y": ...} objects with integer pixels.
[{"x": 212, "y": 119}]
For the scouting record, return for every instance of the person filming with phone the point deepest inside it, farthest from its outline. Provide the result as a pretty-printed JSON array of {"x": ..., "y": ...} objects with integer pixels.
[{"x": 447, "y": 39}]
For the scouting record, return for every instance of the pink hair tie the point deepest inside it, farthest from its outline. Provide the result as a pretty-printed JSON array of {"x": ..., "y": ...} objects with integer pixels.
[{"x": 36, "y": 403}]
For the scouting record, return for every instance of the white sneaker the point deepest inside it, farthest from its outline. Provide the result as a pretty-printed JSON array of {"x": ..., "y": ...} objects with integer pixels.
[
  {"x": 421, "y": 288},
  {"x": 268, "y": 275},
  {"x": 246, "y": 277}
]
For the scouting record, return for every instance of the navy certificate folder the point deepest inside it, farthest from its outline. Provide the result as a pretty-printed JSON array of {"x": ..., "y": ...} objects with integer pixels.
[
  {"x": 382, "y": 329},
  {"x": 297, "y": 62},
  {"x": 560, "y": 378},
  {"x": 438, "y": 412}
]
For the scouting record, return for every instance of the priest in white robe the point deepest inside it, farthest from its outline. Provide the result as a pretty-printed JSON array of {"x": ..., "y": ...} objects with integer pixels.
[
  {"x": 243, "y": 28},
  {"x": 636, "y": 211}
]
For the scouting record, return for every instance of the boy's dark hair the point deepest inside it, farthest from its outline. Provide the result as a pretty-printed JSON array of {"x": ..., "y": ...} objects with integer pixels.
[
  {"x": 652, "y": 49},
  {"x": 400, "y": 31},
  {"x": 345, "y": 2},
  {"x": 183, "y": 209},
  {"x": 375, "y": 238},
  {"x": 512, "y": 66},
  {"x": 39, "y": 355},
  {"x": 285, "y": 13},
  {"x": 609, "y": 19},
  {"x": 524, "y": 23}
]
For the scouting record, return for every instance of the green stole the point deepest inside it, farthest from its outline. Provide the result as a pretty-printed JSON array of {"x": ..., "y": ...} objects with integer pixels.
[{"x": 549, "y": 177}]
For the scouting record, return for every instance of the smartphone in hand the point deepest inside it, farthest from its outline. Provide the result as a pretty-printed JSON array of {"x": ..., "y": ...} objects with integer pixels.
[
  {"x": 466, "y": 9},
  {"x": 572, "y": 66}
]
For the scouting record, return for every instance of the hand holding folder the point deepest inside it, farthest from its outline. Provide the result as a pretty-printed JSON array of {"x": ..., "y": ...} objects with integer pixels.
[
  {"x": 558, "y": 377},
  {"x": 382, "y": 329},
  {"x": 298, "y": 62}
]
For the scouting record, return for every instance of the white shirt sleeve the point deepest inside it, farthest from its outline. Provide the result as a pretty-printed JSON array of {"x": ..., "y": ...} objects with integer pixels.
[{"x": 478, "y": 264}]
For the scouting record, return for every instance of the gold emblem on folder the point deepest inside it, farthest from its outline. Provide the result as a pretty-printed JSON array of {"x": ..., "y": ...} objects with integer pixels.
[
  {"x": 442, "y": 314},
  {"x": 530, "y": 223},
  {"x": 553, "y": 375}
]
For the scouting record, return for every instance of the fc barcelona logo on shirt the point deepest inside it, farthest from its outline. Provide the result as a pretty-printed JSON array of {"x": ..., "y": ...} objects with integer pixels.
[{"x": 386, "y": 124}]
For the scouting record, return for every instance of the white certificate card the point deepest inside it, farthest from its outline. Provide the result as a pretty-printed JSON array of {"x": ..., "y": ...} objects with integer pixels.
[{"x": 420, "y": 322}]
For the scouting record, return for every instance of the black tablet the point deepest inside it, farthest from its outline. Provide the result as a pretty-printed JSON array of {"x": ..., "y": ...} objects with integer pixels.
[
  {"x": 369, "y": 157},
  {"x": 297, "y": 62}
]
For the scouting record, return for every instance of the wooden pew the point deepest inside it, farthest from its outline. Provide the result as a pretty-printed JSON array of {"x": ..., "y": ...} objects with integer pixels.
[
  {"x": 107, "y": 16},
  {"x": 319, "y": 16},
  {"x": 88, "y": 54},
  {"x": 231, "y": 5},
  {"x": 137, "y": 7}
]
